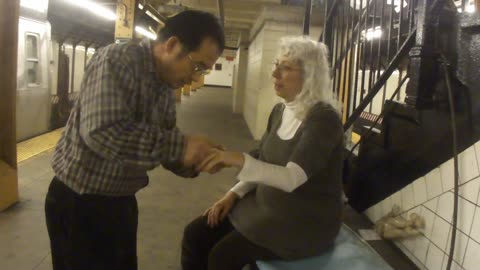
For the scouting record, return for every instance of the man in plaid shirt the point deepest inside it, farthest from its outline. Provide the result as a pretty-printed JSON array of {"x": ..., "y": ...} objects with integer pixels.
[{"x": 123, "y": 125}]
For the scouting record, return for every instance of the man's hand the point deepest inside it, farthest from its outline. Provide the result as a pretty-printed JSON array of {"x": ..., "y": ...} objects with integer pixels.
[
  {"x": 219, "y": 210},
  {"x": 197, "y": 149},
  {"x": 218, "y": 159}
]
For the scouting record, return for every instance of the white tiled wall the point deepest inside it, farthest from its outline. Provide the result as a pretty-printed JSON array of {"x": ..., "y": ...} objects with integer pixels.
[
  {"x": 252, "y": 81},
  {"x": 239, "y": 80},
  {"x": 432, "y": 197}
]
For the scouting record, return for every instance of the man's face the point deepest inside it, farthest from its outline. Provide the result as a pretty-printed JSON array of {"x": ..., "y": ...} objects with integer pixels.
[{"x": 176, "y": 67}]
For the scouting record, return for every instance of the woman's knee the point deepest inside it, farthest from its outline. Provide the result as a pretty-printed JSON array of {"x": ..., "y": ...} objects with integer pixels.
[
  {"x": 194, "y": 230},
  {"x": 225, "y": 255},
  {"x": 218, "y": 259}
]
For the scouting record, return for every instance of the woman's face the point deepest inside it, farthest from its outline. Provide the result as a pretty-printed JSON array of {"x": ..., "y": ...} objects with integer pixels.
[{"x": 287, "y": 78}]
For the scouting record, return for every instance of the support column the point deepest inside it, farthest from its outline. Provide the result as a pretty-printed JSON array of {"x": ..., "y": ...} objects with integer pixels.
[
  {"x": 125, "y": 24},
  {"x": 194, "y": 87},
  {"x": 72, "y": 79},
  {"x": 197, "y": 84},
  {"x": 87, "y": 45},
  {"x": 9, "y": 11},
  {"x": 240, "y": 73},
  {"x": 186, "y": 89},
  {"x": 178, "y": 94},
  {"x": 201, "y": 82}
]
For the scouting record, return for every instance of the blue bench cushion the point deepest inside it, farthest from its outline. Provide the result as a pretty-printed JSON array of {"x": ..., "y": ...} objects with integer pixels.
[{"x": 349, "y": 252}]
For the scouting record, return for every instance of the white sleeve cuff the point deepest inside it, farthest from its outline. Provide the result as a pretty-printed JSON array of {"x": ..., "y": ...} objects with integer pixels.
[
  {"x": 242, "y": 188},
  {"x": 286, "y": 178}
]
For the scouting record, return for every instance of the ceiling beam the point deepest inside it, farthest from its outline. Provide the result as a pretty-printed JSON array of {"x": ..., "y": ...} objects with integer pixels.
[
  {"x": 238, "y": 26},
  {"x": 221, "y": 12},
  {"x": 231, "y": 10}
]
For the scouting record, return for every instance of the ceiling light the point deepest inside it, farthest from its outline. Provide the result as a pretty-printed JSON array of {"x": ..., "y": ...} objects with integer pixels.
[
  {"x": 154, "y": 17},
  {"x": 145, "y": 32},
  {"x": 140, "y": 6},
  {"x": 373, "y": 33},
  {"x": 95, "y": 8},
  {"x": 357, "y": 3},
  {"x": 38, "y": 5},
  {"x": 396, "y": 3},
  {"x": 470, "y": 9}
]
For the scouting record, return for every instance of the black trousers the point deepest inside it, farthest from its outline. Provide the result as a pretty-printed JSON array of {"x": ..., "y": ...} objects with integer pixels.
[
  {"x": 90, "y": 231},
  {"x": 219, "y": 248}
]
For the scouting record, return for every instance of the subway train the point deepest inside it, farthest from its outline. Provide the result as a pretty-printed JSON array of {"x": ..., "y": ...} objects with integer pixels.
[
  {"x": 34, "y": 73},
  {"x": 56, "y": 40},
  {"x": 44, "y": 70}
]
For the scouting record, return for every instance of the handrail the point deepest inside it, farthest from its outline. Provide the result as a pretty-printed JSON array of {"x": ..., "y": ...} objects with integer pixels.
[{"x": 406, "y": 46}]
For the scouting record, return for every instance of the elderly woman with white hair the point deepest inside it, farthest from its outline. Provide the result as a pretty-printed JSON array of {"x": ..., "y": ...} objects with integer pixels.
[{"x": 287, "y": 203}]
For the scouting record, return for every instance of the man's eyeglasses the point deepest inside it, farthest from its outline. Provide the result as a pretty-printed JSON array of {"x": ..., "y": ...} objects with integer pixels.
[{"x": 198, "y": 68}]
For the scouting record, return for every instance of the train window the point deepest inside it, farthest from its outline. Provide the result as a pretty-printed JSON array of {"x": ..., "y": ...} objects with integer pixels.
[
  {"x": 32, "y": 59},
  {"x": 31, "y": 46},
  {"x": 32, "y": 73}
]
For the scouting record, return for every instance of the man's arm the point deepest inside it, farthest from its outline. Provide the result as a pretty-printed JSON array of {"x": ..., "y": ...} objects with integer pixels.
[{"x": 108, "y": 126}]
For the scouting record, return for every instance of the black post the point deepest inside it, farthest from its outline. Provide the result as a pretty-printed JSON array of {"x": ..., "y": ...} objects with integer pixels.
[
  {"x": 85, "y": 57},
  {"x": 423, "y": 65},
  {"x": 364, "y": 47},
  {"x": 411, "y": 14},
  {"x": 306, "y": 19},
  {"x": 351, "y": 49},
  {"x": 345, "y": 60},
  {"x": 379, "y": 55},
  {"x": 323, "y": 35},
  {"x": 340, "y": 58},
  {"x": 400, "y": 20},
  {"x": 371, "y": 72},
  {"x": 357, "y": 62},
  {"x": 74, "y": 46}
]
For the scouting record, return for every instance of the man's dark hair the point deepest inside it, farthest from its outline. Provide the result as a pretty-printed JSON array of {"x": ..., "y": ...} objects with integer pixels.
[{"x": 191, "y": 27}]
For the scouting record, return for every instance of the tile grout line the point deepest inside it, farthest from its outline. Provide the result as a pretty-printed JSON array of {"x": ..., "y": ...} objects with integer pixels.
[
  {"x": 413, "y": 255},
  {"x": 45, "y": 257}
]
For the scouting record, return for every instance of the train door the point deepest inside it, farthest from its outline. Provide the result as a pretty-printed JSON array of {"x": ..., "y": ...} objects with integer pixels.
[{"x": 33, "y": 93}]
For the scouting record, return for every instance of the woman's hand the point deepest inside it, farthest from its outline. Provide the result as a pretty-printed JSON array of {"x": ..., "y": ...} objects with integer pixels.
[
  {"x": 219, "y": 210},
  {"x": 218, "y": 160}
]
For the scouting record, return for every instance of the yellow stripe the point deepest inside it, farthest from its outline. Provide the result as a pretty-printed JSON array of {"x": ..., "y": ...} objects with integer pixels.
[{"x": 37, "y": 145}]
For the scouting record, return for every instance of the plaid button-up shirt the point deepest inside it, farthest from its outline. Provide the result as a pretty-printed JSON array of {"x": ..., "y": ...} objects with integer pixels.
[{"x": 123, "y": 124}]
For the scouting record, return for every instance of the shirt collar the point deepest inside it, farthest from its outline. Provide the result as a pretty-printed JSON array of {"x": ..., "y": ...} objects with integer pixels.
[
  {"x": 149, "y": 60},
  {"x": 290, "y": 105}
]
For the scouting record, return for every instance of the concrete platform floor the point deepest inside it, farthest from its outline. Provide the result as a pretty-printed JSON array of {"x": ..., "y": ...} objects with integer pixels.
[{"x": 166, "y": 205}]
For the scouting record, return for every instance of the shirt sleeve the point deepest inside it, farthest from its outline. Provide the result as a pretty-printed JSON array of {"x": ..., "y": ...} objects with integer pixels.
[
  {"x": 242, "y": 188},
  {"x": 108, "y": 126},
  {"x": 286, "y": 178},
  {"x": 322, "y": 134}
]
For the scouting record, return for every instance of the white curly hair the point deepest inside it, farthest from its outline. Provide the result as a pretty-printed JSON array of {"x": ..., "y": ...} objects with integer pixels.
[{"x": 312, "y": 56}]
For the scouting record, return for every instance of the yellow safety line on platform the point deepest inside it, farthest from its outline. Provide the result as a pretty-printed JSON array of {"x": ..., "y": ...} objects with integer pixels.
[{"x": 37, "y": 145}]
